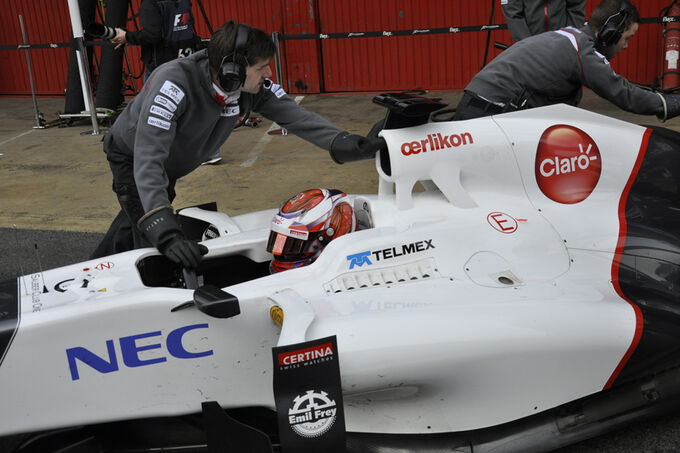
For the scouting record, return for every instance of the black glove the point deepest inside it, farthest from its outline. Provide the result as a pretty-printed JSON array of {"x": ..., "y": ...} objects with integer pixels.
[
  {"x": 347, "y": 147},
  {"x": 160, "y": 227},
  {"x": 671, "y": 106}
]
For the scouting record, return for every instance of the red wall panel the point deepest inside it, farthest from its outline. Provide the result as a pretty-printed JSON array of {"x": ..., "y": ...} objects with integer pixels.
[
  {"x": 443, "y": 61},
  {"x": 435, "y": 62},
  {"x": 46, "y": 21},
  {"x": 302, "y": 57}
]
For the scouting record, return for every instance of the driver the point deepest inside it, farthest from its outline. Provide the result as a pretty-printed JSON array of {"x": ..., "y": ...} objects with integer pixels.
[{"x": 305, "y": 224}]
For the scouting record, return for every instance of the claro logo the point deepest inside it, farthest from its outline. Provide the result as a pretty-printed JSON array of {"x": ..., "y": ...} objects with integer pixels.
[
  {"x": 436, "y": 142},
  {"x": 568, "y": 164}
]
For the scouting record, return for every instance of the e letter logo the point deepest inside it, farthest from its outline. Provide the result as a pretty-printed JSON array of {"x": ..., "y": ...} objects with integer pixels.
[{"x": 568, "y": 164}]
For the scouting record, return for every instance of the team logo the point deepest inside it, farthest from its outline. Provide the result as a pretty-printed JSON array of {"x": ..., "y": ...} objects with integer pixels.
[
  {"x": 313, "y": 413},
  {"x": 568, "y": 164}
]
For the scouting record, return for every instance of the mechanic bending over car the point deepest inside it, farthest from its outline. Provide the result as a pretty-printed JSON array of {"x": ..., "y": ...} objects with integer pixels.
[
  {"x": 552, "y": 67},
  {"x": 184, "y": 113}
]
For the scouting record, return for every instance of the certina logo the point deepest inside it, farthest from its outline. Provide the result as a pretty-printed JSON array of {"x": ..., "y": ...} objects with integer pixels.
[
  {"x": 436, "y": 142},
  {"x": 307, "y": 356},
  {"x": 568, "y": 164},
  {"x": 361, "y": 258},
  {"x": 313, "y": 414}
]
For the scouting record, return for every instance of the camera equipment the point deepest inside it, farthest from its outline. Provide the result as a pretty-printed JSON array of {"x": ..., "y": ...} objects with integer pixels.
[{"x": 100, "y": 31}]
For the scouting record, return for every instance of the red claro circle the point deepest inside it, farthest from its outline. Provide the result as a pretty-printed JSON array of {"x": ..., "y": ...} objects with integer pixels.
[{"x": 568, "y": 164}]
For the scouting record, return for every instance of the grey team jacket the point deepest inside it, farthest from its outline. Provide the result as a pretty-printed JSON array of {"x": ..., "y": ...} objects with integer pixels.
[
  {"x": 531, "y": 17},
  {"x": 552, "y": 67},
  {"x": 176, "y": 122}
]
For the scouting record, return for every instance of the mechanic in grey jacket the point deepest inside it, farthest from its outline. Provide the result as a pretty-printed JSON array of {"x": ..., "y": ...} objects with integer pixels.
[
  {"x": 531, "y": 17},
  {"x": 553, "y": 67},
  {"x": 182, "y": 115}
]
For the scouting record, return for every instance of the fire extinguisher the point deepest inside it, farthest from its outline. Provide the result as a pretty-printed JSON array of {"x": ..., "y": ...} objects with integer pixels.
[{"x": 671, "y": 50}]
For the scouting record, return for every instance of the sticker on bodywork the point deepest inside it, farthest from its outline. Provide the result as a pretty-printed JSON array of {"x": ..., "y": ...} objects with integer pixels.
[{"x": 308, "y": 395}]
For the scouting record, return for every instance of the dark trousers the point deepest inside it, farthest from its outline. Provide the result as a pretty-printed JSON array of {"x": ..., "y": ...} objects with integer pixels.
[
  {"x": 471, "y": 106},
  {"x": 123, "y": 234}
]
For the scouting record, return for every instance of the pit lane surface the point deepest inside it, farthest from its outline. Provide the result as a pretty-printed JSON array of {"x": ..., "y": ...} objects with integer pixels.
[{"x": 59, "y": 248}]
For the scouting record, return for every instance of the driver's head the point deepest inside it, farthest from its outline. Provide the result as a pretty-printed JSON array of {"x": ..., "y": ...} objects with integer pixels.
[{"x": 305, "y": 224}]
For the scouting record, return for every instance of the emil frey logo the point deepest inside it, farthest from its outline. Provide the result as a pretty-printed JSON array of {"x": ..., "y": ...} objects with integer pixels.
[
  {"x": 359, "y": 259},
  {"x": 568, "y": 164},
  {"x": 436, "y": 142},
  {"x": 313, "y": 414}
]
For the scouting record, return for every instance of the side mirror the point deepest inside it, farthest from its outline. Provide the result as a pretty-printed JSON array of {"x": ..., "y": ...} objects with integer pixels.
[{"x": 216, "y": 303}]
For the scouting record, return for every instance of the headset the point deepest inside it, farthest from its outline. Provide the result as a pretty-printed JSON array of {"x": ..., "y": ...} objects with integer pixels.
[
  {"x": 232, "y": 74},
  {"x": 612, "y": 30}
]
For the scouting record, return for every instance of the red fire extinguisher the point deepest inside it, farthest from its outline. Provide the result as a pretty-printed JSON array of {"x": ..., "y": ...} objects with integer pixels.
[{"x": 671, "y": 50}]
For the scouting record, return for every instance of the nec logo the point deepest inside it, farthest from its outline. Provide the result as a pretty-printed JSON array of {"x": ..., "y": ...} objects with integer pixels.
[
  {"x": 436, "y": 142},
  {"x": 130, "y": 351}
]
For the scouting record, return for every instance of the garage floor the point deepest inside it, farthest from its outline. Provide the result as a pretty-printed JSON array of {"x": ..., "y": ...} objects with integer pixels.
[{"x": 58, "y": 178}]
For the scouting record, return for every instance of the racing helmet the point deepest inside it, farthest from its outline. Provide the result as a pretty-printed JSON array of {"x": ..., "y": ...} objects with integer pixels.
[{"x": 305, "y": 224}]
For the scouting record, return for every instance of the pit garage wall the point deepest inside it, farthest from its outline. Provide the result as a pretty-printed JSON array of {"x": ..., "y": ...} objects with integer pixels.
[{"x": 434, "y": 62}]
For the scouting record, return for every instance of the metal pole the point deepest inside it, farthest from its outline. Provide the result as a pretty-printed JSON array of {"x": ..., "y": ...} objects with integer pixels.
[
  {"x": 277, "y": 64},
  {"x": 77, "y": 25},
  {"x": 38, "y": 116},
  {"x": 277, "y": 58}
]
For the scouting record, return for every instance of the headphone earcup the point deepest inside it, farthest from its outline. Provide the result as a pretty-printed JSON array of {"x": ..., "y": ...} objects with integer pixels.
[
  {"x": 232, "y": 76},
  {"x": 610, "y": 35}
]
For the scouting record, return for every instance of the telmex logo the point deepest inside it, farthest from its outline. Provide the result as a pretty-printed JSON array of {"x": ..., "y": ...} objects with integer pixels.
[
  {"x": 436, "y": 142},
  {"x": 359, "y": 259},
  {"x": 568, "y": 164}
]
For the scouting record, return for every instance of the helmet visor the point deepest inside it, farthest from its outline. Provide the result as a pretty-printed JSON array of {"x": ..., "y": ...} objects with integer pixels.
[{"x": 287, "y": 248}]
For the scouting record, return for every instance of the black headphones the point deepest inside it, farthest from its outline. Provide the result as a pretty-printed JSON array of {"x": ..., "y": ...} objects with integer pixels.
[
  {"x": 612, "y": 30},
  {"x": 232, "y": 74}
]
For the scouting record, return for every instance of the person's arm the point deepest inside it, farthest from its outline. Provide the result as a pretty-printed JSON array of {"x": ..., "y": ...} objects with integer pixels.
[
  {"x": 151, "y": 23},
  {"x": 514, "y": 13},
  {"x": 598, "y": 75},
  {"x": 576, "y": 13},
  {"x": 274, "y": 104},
  {"x": 163, "y": 104},
  {"x": 156, "y": 129}
]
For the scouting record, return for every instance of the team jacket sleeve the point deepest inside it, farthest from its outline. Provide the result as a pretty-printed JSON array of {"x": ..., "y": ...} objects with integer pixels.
[
  {"x": 273, "y": 103},
  {"x": 514, "y": 14},
  {"x": 599, "y": 76},
  {"x": 151, "y": 31},
  {"x": 155, "y": 134},
  {"x": 576, "y": 13}
]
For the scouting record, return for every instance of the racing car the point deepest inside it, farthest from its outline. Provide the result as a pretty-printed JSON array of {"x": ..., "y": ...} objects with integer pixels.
[{"x": 513, "y": 287}]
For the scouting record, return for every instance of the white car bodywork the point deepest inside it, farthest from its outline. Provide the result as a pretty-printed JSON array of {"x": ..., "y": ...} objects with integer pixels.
[{"x": 480, "y": 301}]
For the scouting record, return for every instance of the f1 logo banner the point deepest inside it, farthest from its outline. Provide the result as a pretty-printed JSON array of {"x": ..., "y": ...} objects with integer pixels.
[{"x": 308, "y": 396}]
